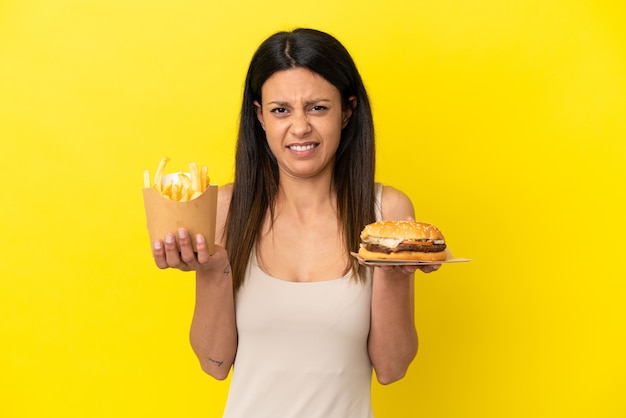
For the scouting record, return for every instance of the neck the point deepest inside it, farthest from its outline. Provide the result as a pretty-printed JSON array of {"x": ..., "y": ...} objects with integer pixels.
[{"x": 303, "y": 198}]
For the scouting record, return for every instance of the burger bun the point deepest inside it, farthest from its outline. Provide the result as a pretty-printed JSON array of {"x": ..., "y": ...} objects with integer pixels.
[{"x": 402, "y": 255}]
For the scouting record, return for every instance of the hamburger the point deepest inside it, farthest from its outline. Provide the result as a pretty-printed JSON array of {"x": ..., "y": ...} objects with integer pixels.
[{"x": 402, "y": 240}]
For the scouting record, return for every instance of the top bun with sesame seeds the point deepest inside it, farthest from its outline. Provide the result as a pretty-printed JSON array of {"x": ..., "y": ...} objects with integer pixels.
[{"x": 402, "y": 240}]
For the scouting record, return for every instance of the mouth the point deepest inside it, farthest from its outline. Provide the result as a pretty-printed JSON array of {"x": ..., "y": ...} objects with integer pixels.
[{"x": 302, "y": 147}]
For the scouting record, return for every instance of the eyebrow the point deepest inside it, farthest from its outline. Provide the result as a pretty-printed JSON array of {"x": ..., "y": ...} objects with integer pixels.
[{"x": 310, "y": 102}]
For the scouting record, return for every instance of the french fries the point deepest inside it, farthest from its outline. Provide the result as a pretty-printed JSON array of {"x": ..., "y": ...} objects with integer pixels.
[{"x": 181, "y": 187}]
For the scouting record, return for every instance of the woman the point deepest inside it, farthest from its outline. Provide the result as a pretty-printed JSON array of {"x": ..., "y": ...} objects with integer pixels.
[{"x": 282, "y": 300}]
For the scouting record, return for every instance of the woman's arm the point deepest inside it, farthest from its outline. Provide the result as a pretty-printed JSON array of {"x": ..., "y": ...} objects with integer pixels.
[
  {"x": 392, "y": 341},
  {"x": 213, "y": 333}
]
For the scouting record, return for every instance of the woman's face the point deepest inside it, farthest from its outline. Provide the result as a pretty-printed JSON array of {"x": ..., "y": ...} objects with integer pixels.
[{"x": 303, "y": 116}]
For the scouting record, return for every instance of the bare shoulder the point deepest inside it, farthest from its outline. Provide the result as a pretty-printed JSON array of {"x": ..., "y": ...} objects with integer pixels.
[
  {"x": 224, "y": 195},
  {"x": 396, "y": 205}
]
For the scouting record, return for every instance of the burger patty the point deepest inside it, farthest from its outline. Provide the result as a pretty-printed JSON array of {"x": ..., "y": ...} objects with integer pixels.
[{"x": 434, "y": 248}]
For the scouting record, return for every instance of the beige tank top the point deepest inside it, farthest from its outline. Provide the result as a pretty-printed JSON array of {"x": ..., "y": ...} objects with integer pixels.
[{"x": 302, "y": 349}]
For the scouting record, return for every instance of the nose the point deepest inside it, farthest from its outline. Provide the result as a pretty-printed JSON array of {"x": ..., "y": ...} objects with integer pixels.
[{"x": 300, "y": 124}]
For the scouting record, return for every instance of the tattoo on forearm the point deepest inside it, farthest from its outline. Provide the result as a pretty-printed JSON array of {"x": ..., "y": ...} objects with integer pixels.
[
  {"x": 227, "y": 270},
  {"x": 218, "y": 362}
]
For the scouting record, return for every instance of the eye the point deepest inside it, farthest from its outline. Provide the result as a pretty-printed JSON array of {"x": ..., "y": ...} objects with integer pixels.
[
  {"x": 319, "y": 108},
  {"x": 278, "y": 110}
]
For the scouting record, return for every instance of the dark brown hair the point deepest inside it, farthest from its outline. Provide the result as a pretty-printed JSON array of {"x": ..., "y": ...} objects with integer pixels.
[{"x": 256, "y": 171}]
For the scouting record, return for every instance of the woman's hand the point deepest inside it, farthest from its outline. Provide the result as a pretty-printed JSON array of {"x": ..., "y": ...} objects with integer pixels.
[
  {"x": 406, "y": 269},
  {"x": 167, "y": 255},
  {"x": 428, "y": 268}
]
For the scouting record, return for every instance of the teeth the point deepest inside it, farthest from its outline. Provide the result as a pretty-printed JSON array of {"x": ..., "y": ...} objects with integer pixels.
[{"x": 302, "y": 147}]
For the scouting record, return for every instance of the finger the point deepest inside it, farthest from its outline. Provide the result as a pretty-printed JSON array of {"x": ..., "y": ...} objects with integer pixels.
[
  {"x": 408, "y": 269},
  {"x": 158, "y": 252},
  {"x": 186, "y": 250},
  {"x": 429, "y": 268},
  {"x": 171, "y": 251},
  {"x": 202, "y": 249}
]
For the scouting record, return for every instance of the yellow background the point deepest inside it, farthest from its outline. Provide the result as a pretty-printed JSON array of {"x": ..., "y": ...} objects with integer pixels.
[{"x": 503, "y": 120}]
